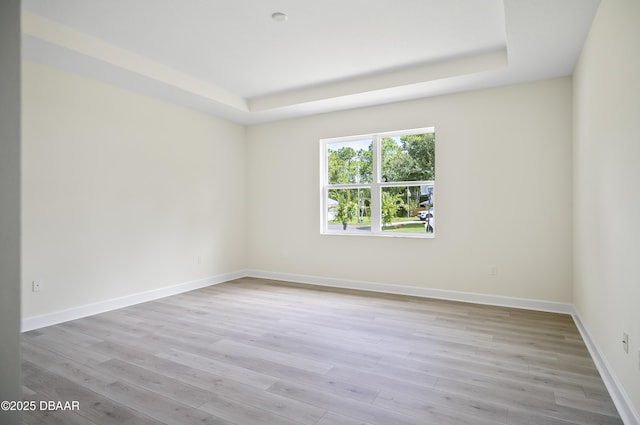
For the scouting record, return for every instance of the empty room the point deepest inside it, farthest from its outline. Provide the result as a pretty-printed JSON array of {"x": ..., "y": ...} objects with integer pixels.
[{"x": 224, "y": 212}]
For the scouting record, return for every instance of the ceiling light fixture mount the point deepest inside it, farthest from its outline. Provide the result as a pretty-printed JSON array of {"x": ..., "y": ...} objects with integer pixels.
[{"x": 279, "y": 17}]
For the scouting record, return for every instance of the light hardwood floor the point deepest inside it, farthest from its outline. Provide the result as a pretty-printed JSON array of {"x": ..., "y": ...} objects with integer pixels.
[{"x": 254, "y": 351}]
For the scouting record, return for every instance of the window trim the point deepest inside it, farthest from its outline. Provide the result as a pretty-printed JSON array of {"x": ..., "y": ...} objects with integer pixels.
[{"x": 375, "y": 186}]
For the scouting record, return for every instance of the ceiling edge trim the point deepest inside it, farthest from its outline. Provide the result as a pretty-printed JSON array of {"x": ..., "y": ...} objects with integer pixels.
[
  {"x": 67, "y": 38},
  {"x": 422, "y": 73}
]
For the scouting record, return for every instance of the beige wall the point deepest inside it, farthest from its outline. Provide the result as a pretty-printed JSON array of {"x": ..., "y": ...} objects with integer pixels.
[
  {"x": 122, "y": 193},
  {"x": 10, "y": 385},
  {"x": 607, "y": 187},
  {"x": 503, "y": 195}
]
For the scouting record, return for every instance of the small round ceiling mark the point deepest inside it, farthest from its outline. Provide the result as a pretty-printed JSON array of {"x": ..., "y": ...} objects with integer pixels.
[{"x": 279, "y": 17}]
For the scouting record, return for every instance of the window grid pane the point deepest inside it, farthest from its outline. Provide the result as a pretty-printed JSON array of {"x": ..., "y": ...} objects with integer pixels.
[{"x": 379, "y": 184}]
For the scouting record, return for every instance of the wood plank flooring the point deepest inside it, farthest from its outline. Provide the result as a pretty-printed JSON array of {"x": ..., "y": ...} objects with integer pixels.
[{"x": 254, "y": 351}]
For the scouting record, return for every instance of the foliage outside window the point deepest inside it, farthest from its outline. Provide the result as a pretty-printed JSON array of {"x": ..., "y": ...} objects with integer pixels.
[{"x": 379, "y": 184}]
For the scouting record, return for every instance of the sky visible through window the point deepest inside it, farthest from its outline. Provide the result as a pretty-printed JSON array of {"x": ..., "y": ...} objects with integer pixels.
[{"x": 354, "y": 144}]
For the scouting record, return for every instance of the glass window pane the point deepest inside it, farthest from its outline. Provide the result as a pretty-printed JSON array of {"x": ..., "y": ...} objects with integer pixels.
[
  {"x": 350, "y": 162},
  {"x": 408, "y": 158},
  {"x": 349, "y": 210},
  {"x": 407, "y": 209}
]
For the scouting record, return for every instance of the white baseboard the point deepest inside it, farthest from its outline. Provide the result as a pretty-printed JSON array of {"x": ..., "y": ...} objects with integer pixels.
[
  {"x": 48, "y": 319},
  {"x": 470, "y": 297},
  {"x": 618, "y": 395}
]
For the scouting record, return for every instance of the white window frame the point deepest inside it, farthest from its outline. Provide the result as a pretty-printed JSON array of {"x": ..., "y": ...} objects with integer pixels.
[{"x": 375, "y": 186}]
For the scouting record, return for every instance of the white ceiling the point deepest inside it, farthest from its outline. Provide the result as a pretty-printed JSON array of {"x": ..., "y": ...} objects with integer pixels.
[{"x": 231, "y": 59}]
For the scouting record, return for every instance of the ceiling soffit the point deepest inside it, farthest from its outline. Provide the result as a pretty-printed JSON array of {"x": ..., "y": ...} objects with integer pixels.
[{"x": 513, "y": 51}]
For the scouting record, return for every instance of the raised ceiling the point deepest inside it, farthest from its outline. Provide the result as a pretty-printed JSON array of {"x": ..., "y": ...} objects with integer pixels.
[{"x": 231, "y": 59}]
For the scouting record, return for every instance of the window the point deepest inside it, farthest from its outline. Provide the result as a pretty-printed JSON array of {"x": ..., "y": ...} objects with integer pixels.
[{"x": 379, "y": 184}]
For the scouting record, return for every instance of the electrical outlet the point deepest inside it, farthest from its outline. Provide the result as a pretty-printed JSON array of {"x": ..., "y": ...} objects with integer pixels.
[
  {"x": 625, "y": 342},
  {"x": 36, "y": 286},
  {"x": 493, "y": 270}
]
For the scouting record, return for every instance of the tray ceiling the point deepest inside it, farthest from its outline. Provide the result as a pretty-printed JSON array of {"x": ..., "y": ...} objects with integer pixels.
[{"x": 231, "y": 59}]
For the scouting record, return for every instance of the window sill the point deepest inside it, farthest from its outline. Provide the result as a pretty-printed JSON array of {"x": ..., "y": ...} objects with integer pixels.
[{"x": 381, "y": 235}]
